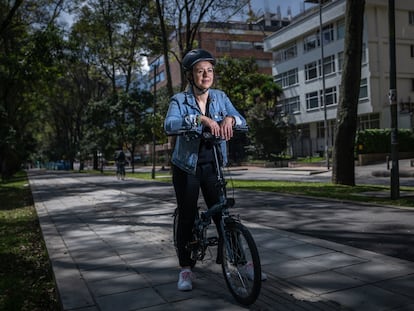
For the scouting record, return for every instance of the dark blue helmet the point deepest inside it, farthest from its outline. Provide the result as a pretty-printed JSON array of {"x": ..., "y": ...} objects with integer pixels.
[{"x": 195, "y": 56}]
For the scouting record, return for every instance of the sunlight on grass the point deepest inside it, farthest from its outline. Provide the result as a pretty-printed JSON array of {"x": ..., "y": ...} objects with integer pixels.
[{"x": 359, "y": 193}]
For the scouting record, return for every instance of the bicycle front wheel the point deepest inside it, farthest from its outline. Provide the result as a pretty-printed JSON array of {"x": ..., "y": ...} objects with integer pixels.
[{"x": 241, "y": 263}]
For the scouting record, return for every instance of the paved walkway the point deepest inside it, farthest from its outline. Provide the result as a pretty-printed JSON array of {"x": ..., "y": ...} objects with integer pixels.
[{"x": 111, "y": 249}]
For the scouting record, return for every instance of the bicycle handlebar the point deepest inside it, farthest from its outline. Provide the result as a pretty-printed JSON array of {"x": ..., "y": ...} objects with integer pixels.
[{"x": 207, "y": 135}]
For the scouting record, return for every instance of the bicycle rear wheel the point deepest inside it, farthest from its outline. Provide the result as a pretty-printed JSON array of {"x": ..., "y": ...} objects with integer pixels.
[{"x": 241, "y": 263}]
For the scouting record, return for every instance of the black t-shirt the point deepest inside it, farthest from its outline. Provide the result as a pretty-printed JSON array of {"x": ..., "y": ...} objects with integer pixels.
[{"x": 205, "y": 153}]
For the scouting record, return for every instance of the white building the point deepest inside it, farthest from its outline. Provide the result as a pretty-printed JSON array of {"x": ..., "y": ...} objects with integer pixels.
[{"x": 296, "y": 66}]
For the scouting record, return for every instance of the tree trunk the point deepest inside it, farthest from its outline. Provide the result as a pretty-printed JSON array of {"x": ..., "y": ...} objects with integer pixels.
[{"x": 344, "y": 139}]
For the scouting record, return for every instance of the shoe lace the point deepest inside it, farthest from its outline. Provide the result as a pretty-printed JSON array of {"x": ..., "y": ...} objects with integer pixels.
[{"x": 186, "y": 275}]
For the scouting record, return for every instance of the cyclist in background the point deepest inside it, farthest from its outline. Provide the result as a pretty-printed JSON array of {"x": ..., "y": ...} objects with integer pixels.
[
  {"x": 120, "y": 164},
  {"x": 204, "y": 109}
]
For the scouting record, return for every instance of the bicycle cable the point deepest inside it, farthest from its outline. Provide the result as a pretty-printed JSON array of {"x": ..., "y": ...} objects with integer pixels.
[{"x": 230, "y": 179}]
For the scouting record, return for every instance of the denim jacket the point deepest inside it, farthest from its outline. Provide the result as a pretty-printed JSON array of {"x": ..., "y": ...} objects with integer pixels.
[{"x": 182, "y": 115}]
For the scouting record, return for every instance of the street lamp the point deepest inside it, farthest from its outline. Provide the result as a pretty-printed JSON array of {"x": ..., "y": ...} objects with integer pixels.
[
  {"x": 395, "y": 182},
  {"x": 154, "y": 66},
  {"x": 325, "y": 120}
]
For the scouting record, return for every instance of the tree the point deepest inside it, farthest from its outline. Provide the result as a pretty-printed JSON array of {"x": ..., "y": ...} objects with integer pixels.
[
  {"x": 344, "y": 138},
  {"x": 255, "y": 95},
  {"x": 134, "y": 120},
  {"x": 116, "y": 33},
  {"x": 183, "y": 19},
  {"x": 30, "y": 46}
]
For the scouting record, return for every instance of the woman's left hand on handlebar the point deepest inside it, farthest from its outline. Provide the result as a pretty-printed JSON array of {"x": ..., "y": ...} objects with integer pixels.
[
  {"x": 212, "y": 125},
  {"x": 226, "y": 128}
]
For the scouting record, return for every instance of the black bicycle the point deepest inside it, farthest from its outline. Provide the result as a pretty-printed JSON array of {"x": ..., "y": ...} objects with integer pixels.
[{"x": 237, "y": 251}]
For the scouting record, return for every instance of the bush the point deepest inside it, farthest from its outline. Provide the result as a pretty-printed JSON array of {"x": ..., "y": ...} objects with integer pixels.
[{"x": 379, "y": 141}]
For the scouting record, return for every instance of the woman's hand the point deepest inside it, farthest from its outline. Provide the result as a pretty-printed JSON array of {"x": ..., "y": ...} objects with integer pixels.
[
  {"x": 211, "y": 124},
  {"x": 226, "y": 128},
  {"x": 223, "y": 130}
]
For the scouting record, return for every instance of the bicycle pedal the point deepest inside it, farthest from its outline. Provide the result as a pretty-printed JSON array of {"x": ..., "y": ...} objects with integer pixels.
[{"x": 212, "y": 241}]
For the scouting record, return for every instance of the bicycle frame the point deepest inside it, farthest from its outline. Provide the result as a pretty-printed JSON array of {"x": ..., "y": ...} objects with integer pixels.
[{"x": 203, "y": 220}]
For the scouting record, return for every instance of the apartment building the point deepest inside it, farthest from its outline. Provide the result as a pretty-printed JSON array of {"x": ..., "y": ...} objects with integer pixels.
[
  {"x": 297, "y": 54},
  {"x": 234, "y": 39}
]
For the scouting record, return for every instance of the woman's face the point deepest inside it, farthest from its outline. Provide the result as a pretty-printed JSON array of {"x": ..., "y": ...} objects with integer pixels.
[{"x": 203, "y": 74}]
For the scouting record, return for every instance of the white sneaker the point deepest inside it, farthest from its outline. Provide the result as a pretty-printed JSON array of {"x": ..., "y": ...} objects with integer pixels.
[
  {"x": 185, "y": 280},
  {"x": 248, "y": 271}
]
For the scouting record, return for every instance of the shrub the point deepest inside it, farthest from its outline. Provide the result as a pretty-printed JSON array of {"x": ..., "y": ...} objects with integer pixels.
[{"x": 379, "y": 141}]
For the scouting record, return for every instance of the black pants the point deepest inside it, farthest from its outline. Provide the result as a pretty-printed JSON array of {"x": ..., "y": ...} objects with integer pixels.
[{"x": 187, "y": 188}]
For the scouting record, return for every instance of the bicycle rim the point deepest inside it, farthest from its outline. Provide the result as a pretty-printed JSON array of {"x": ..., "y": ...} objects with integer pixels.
[{"x": 241, "y": 264}]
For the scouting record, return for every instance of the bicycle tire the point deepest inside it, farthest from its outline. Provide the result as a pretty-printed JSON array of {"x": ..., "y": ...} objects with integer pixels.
[
  {"x": 175, "y": 226},
  {"x": 241, "y": 252}
]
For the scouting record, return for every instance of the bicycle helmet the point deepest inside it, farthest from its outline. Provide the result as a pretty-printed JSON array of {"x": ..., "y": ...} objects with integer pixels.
[{"x": 195, "y": 56}]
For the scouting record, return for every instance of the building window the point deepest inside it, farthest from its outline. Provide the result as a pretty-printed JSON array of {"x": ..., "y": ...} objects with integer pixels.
[
  {"x": 312, "y": 101},
  {"x": 340, "y": 61},
  {"x": 369, "y": 121},
  {"x": 340, "y": 29},
  {"x": 412, "y": 50},
  {"x": 320, "y": 129},
  {"x": 289, "y": 106},
  {"x": 363, "y": 89},
  {"x": 329, "y": 64},
  {"x": 311, "y": 42},
  {"x": 263, "y": 63},
  {"x": 311, "y": 71},
  {"x": 290, "y": 52},
  {"x": 328, "y": 34},
  {"x": 223, "y": 46},
  {"x": 411, "y": 17},
  {"x": 285, "y": 54},
  {"x": 364, "y": 53},
  {"x": 330, "y": 96},
  {"x": 241, "y": 45},
  {"x": 258, "y": 45},
  {"x": 288, "y": 78}
]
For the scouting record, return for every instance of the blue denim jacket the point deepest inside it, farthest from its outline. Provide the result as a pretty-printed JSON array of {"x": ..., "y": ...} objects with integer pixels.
[{"x": 181, "y": 116}]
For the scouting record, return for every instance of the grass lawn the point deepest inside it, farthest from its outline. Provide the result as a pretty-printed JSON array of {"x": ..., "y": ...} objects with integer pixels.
[
  {"x": 361, "y": 193},
  {"x": 26, "y": 281}
]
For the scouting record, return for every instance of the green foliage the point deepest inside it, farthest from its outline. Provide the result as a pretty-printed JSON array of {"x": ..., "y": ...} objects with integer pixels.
[
  {"x": 267, "y": 134},
  {"x": 255, "y": 95},
  {"x": 134, "y": 118},
  {"x": 28, "y": 63},
  {"x": 379, "y": 141}
]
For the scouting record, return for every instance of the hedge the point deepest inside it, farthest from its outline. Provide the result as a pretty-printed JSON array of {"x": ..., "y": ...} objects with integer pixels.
[{"x": 379, "y": 141}]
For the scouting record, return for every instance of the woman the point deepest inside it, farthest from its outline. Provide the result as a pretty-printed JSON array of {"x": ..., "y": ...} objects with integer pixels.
[{"x": 198, "y": 108}]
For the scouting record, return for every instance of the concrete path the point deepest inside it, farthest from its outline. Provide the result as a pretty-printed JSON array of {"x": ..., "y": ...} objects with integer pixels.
[{"x": 111, "y": 249}]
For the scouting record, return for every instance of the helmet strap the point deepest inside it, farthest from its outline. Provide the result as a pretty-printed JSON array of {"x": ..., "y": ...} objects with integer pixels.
[{"x": 202, "y": 91}]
